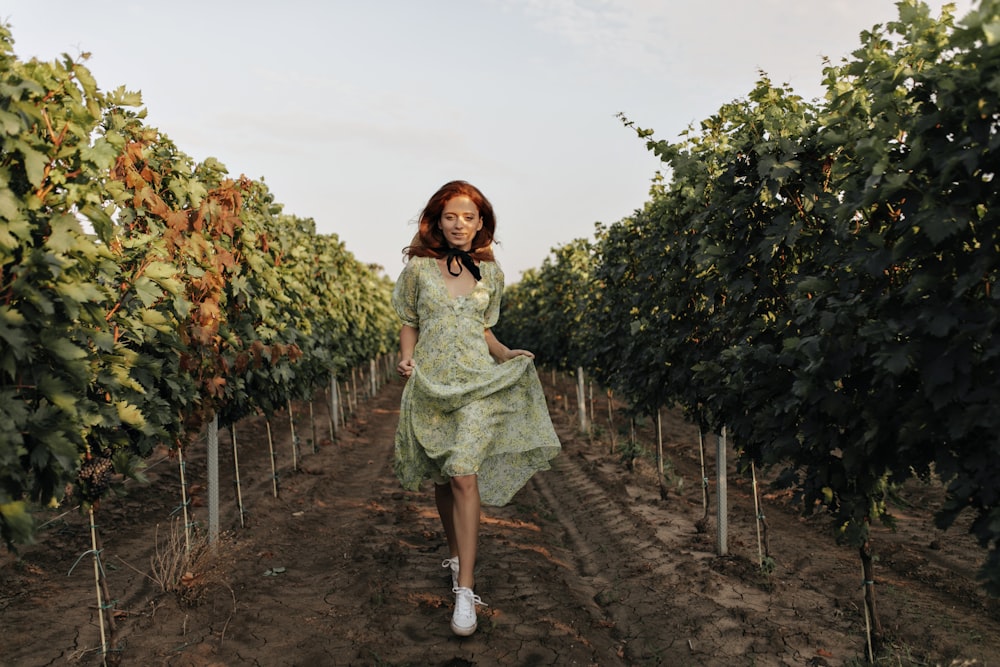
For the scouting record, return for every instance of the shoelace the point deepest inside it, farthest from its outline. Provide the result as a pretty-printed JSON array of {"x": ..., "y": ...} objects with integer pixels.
[{"x": 475, "y": 599}]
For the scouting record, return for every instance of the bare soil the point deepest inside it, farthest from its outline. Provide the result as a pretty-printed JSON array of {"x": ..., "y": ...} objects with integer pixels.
[{"x": 593, "y": 563}]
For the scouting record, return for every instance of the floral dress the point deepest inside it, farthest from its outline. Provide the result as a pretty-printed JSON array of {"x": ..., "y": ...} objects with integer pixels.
[{"x": 462, "y": 413}]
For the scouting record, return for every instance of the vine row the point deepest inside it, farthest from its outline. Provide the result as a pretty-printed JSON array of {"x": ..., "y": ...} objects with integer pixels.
[
  {"x": 143, "y": 294},
  {"x": 819, "y": 278}
]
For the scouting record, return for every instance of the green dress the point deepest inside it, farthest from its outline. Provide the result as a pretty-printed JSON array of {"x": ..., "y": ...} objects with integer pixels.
[{"x": 462, "y": 413}]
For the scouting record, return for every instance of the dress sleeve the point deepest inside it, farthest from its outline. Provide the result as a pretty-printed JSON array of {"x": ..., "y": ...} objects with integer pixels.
[
  {"x": 405, "y": 293},
  {"x": 492, "y": 315}
]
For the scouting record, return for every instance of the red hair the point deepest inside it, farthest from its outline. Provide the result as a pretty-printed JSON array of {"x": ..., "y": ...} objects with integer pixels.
[{"x": 429, "y": 238}]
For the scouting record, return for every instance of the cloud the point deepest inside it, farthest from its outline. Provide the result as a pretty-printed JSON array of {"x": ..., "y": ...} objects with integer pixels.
[
  {"x": 713, "y": 43},
  {"x": 629, "y": 33}
]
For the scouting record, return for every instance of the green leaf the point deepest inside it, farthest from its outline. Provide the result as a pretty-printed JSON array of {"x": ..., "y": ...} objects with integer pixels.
[
  {"x": 125, "y": 98},
  {"x": 895, "y": 360},
  {"x": 9, "y": 207},
  {"x": 157, "y": 320},
  {"x": 992, "y": 33},
  {"x": 938, "y": 228},
  {"x": 10, "y": 123},
  {"x": 102, "y": 154},
  {"x": 17, "y": 523},
  {"x": 34, "y": 162},
  {"x": 14, "y": 233},
  {"x": 101, "y": 221},
  {"x": 64, "y": 348},
  {"x": 79, "y": 292},
  {"x": 814, "y": 285},
  {"x": 58, "y": 393},
  {"x": 130, "y": 414},
  {"x": 147, "y": 291},
  {"x": 65, "y": 234},
  {"x": 11, "y": 322}
]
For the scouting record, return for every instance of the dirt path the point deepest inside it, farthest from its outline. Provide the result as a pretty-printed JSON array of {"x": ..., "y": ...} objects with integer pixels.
[{"x": 587, "y": 566}]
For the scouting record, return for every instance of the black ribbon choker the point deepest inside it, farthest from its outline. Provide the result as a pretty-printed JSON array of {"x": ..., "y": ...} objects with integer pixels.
[{"x": 464, "y": 259}]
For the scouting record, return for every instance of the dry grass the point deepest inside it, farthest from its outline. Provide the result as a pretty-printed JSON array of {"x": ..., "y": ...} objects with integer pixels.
[{"x": 188, "y": 570}]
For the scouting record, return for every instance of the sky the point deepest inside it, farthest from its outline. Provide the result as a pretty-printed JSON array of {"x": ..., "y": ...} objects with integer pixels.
[{"x": 355, "y": 112}]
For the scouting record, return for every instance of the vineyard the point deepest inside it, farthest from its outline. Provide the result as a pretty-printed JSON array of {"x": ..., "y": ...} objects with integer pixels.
[{"x": 811, "y": 288}]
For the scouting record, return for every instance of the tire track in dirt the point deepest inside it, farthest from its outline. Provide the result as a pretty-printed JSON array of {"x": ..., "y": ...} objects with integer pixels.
[
  {"x": 628, "y": 569},
  {"x": 658, "y": 580}
]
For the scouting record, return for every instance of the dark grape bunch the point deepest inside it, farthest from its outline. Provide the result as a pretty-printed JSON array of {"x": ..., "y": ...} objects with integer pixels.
[{"x": 94, "y": 478}]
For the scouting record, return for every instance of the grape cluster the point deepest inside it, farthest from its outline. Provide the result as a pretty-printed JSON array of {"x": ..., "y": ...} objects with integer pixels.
[{"x": 94, "y": 478}]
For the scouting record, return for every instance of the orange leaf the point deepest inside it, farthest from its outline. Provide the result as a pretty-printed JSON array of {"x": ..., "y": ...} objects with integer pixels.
[
  {"x": 216, "y": 387},
  {"x": 208, "y": 311},
  {"x": 177, "y": 220}
]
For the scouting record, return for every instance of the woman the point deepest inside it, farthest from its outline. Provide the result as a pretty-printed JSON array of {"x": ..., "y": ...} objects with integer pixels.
[{"x": 473, "y": 417}]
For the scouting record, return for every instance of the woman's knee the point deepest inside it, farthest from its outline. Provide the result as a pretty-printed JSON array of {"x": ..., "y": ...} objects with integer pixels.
[{"x": 465, "y": 484}]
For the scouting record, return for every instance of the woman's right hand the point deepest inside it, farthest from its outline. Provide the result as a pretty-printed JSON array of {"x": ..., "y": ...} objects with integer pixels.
[{"x": 405, "y": 368}]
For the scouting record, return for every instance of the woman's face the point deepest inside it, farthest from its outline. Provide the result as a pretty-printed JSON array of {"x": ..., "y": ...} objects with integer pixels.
[{"x": 460, "y": 221}]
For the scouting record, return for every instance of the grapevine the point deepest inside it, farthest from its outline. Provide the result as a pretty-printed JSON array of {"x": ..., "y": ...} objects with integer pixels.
[
  {"x": 818, "y": 278},
  {"x": 142, "y": 293}
]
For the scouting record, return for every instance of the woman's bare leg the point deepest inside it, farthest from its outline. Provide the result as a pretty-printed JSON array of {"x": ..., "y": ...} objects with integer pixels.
[
  {"x": 445, "y": 502},
  {"x": 465, "y": 493}
]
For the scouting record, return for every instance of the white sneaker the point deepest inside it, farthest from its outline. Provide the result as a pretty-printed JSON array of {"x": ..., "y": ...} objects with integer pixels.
[
  {"x": 453, "y": 564},
  {"x": 463, "y": 620}
]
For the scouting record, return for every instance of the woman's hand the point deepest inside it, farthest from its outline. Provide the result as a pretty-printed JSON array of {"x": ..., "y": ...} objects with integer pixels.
[
  {"x": 510, "y": 354},
  {"x": 501, "y": 352},
  {"x": 408, "y": 337},
  {"x": 405, "y": 368}
]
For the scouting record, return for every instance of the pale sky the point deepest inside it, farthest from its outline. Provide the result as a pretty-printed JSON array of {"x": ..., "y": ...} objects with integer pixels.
[{"x": 355, "y": 112}]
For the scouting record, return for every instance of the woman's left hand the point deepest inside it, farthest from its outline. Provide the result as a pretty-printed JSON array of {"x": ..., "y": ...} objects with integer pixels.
[{"x": 519, "y": 353}]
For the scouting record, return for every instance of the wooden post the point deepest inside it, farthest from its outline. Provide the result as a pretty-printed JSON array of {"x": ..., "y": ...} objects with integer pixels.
[
  {"x": 291, "y": 428},
  {"x": 236, "y": 470},
  {"x": 335, "y": 405},
  {"x": 659, "y": 441},
  {"x": 581, "y": 400},
  {"x": 721, "y": 495},
  {"x": 213, "y": 479}
]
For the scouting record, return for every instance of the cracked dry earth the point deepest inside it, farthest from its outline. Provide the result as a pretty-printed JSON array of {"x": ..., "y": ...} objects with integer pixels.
[{"x": 588, "y": 565}]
